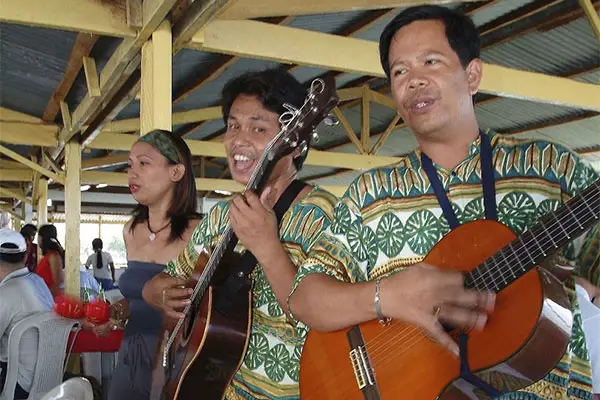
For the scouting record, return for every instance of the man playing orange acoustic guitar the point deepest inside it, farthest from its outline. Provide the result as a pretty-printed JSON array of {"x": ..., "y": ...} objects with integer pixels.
[{"x": 390, "y": 218}]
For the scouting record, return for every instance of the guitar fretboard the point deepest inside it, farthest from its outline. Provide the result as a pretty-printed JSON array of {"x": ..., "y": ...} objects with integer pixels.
[{"x": 553, "y": 231}]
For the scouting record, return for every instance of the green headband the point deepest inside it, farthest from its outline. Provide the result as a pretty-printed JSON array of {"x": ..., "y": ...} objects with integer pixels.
[{"x": 159, "y": 140}]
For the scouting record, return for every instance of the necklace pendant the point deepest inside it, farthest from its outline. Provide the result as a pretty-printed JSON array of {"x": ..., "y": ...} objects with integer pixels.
[{"x": 152, "y": 236}]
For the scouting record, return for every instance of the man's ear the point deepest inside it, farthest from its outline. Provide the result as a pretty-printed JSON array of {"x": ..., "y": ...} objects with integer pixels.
[{"x": 474, "y": 75}]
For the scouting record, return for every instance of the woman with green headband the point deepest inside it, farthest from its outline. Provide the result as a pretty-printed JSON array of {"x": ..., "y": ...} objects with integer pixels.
[{"x": 161, "y": 180}]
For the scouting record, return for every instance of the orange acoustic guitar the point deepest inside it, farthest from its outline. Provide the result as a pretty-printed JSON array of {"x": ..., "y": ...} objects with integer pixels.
[{"x": 524, "y": 338}]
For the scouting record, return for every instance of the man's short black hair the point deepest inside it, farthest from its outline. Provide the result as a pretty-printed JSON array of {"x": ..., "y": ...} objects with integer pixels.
[
  {"x": 29, "y": 231},
  {"x": 461, "y": 32},
  {"x": 273, "y": 87}
]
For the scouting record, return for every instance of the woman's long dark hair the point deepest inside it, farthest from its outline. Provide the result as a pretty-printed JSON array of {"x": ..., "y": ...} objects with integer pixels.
[
  {"x": 97, "y": 246},
  {"x": 50, "y": 240},
  {"x": 184, "y": 201}
]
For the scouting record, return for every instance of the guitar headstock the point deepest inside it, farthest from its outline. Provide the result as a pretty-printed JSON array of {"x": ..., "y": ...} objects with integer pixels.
[{"x": 298, "y": 124}]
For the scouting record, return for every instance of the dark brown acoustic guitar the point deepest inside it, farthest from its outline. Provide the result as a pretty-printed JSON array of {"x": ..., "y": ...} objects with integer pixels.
[
  {"x": 525, "y": 336},
  {"x": 199, "y": 355}
]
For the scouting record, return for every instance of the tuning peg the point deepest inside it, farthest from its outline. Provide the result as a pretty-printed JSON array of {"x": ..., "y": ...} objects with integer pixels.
[
  {"x": 291, "y": 142},
  {"x": 303, "y": 149},
  {"x": 315, "y": 136},
  {"x": 330, "y": 120}
]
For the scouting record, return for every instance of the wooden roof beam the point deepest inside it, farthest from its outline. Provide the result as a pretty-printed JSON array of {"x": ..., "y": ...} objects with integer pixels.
[
  {"x": 123, "y": 142},
  {"x": 34, "y": 166},
  {"x": 202, "y": 184},
  {"x": 82, "y": 48},
  {"x": 72, "y": 15},
  {"x": 218, "y": 67},
  {"x": 118, "y": 67},
  {"x": 592, "y": 16},
  {"x": 286, "y": 44}
]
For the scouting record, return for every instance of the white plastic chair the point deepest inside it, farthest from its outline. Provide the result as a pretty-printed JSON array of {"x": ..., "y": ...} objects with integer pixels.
[
  {"x": 73, "y": 389},
  {"x": 52, "y": 348},
  {"x": 113, "y": 295}
]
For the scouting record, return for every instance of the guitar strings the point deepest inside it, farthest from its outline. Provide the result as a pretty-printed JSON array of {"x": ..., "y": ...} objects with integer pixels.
[{"x": 536, "y": 252}]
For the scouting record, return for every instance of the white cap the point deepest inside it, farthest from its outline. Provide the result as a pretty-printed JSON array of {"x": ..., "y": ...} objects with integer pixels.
[{"x": 14, "y": 237}]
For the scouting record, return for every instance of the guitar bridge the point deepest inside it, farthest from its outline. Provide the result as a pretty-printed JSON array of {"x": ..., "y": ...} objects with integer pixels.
[{"x": 362, "y": 367}]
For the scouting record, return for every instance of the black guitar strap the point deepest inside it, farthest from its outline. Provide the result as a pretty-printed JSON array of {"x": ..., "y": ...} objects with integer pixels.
[{"x": 247, "y": 262}]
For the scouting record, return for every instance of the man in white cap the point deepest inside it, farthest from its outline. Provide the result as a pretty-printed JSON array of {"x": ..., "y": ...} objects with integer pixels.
[{"x": 23, "y": 294}]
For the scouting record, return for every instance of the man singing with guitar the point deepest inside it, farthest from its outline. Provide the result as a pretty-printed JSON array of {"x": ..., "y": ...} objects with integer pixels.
[
  {"x": 252, "y": 106},
  {"x": 373, "y": 262}
]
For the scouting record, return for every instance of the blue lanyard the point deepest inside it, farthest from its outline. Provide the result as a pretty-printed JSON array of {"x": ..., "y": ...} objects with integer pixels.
[
  {"x": 489, "y": 202},
  {"x": 487, "y": 178}
]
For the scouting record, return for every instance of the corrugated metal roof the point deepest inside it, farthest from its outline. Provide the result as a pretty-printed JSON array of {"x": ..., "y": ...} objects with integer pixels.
[
  {"x": 131, "y": 110},
  {"x": 328, "y": 23},
  {"x": 504, "y": 113},
  {"x": 380, "y": 116},
  {"x": 32, "y": 64},
  {"x": 401, "y": 141},
  {"x": 574, "y": 135},
  {"x": 374, "y": 32},
  {"x": 305, "y": 74},
  {"x": 343, "y": 79},
  {"x": 497, "y": 10},
  {"x": 566, "y": 48},
  {"x": 188, "y": 65},
  {"x": 210, "y": 93},
  {"x": 592, "y": 77},
  {"x": 207, "y": 129}
]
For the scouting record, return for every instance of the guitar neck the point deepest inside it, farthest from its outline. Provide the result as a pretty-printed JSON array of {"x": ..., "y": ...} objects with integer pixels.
[{"x": 540, "y": 241}]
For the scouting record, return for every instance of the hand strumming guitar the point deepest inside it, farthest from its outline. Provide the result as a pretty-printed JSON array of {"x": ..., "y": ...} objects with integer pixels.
[
  {"x": 167, "y": 294},
  {"x": 425, "y": 296},
  {"x": 421, "y": 295}
]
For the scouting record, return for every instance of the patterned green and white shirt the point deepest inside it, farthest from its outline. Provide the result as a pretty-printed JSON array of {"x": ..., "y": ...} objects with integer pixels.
[
  {"x": 271, "y": 364},
  {"x": 390, "y": 218}
]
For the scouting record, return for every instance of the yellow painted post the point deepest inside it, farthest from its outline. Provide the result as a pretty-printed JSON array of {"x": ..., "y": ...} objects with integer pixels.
[
  {"x": 72, "y": 217},
  {"x": 100, "y": 226},
  {"x": 42, "y": 206},
  {"x": 156, "y": 92},
  {"x": 365, "y": 132}
]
